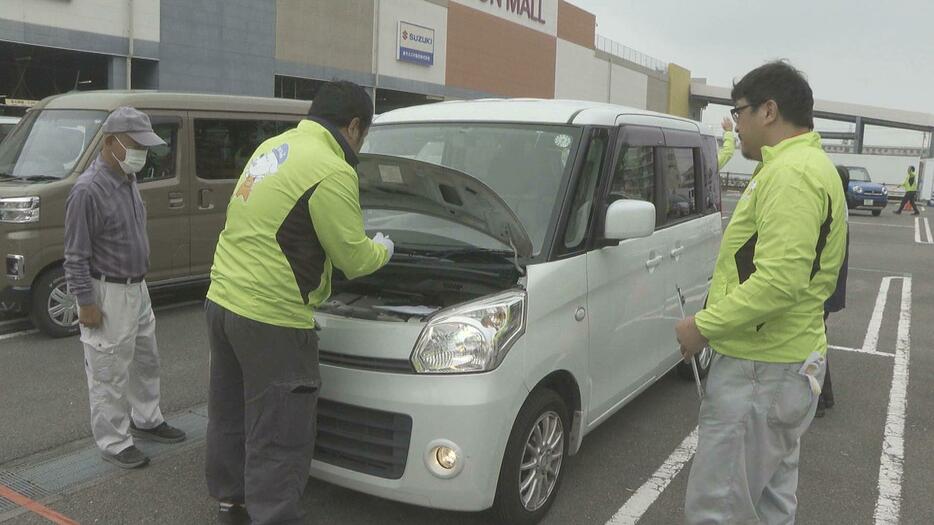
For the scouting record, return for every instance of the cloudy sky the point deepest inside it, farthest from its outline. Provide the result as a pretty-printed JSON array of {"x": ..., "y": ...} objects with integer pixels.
[{"x": 858, "y": 51}]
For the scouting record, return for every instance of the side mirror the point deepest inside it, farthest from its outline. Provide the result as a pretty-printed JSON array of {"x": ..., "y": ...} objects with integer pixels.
[{"x": 629, "y": 219}]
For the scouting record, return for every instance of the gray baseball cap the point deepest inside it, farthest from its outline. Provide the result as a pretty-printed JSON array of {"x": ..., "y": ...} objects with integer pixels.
[{"x": 134, "y": 123}]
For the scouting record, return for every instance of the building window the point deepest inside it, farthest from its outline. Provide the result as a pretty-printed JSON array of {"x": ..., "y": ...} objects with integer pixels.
[{"x": 297, "y": 88}]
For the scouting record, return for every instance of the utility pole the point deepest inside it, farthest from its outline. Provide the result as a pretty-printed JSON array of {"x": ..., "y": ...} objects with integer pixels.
[
  {"x": 129, "y": 55},
  {"x": 375, "y": 51}
]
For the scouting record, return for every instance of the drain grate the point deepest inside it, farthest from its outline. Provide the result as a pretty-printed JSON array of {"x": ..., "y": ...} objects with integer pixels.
[
  {"x": 22, "y": 486},
  {"x": 61, "y": 474}
]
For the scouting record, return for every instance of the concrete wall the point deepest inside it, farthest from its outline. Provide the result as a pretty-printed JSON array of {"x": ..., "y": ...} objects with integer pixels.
[
  {"x": 657, "y": 94},
  {"x": 332, "y": 36},
  {"x": 579, "y": 74},
  {"x": 417, "y": 12},
  {"x": 489, "y": 51},
  {"x": 629, "y": 87},
  {"x": 96, "y": 26},
  {"x": 218, "y": 46},
  {"x": 105, "y": 17}
]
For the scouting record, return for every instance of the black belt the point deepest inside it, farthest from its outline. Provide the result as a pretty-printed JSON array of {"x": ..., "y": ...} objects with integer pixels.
[{"x": 120, "y": 280}]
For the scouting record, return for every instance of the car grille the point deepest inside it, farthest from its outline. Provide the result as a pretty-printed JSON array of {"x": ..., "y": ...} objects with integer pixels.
[
  {"x": 362, "y": 439},
  {"x": 872, "y": 193}
]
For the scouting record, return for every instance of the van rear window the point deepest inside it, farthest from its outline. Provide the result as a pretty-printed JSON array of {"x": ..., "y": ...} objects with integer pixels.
[{"x": 223, "y": 146}]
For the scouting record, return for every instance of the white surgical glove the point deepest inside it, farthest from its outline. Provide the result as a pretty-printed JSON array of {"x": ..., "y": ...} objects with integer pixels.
[{"x": 379, "y": 238}]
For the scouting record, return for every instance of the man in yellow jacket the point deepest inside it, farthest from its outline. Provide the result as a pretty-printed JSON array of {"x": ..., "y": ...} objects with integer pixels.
[
  {"x": 294, "y": 217},
  {"x": 778, "y": 264},
  {"x": 911, "y": 192}
]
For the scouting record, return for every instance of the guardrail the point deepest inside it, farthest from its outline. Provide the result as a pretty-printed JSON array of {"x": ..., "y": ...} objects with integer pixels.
[
  {"x": 627, "y": 53},
  {"x": 734, "y": 181}
]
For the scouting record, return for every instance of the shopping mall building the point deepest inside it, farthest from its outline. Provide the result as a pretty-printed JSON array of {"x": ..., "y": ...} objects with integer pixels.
[{"x": 407, "y": 51}]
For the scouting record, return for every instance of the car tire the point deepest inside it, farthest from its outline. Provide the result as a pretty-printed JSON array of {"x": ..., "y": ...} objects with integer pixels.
[
  {"x": 703, "y": 360},
  {"x": 876, "y": 213},
  {"x": 54, "y": 311},
  {"x": 543, "y": 420}
]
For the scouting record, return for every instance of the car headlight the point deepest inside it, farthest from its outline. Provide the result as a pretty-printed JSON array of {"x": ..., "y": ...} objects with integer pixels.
[
  {"x": 858, "y": 189},
  {"x": 885, "y": 191},
  {"x": 19, "y": 209},
  {"x": 473, "y": 337}
]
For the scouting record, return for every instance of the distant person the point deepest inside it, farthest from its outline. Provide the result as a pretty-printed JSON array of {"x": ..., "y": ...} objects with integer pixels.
[{"x": 911, "y": 191}]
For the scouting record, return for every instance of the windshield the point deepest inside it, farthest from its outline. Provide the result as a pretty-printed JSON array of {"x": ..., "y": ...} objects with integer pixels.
[
  {"x": 49, "y": 143},
  {"x": 523, "y": 164},
  {"x": 859, "y": 175},
  {"x": 5, "y": 129}
]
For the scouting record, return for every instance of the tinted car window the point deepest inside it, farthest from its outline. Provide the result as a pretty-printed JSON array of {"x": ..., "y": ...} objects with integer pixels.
[
  {"x": 680, "y": 182},
  {"x": 223, "y": 147}
]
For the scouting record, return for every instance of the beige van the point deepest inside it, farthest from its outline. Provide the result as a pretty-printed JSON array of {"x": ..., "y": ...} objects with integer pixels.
[{"x": 185, "y": 186}]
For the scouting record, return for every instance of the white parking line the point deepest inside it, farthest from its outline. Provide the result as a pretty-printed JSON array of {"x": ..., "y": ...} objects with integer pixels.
[
  {"x": 859, "y": 351},
  {"x": 892, "y": 460},
  {"x": 926, "y": 229},
  {"x": 878, "y": 224},
  {"x": 875, "y": 322},
  {"x": 638, "y": 503},
  {"x": 4, "y": 337}
]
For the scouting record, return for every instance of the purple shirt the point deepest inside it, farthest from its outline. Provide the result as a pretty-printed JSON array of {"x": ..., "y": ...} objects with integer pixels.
[{"x": 105, "y": 229}]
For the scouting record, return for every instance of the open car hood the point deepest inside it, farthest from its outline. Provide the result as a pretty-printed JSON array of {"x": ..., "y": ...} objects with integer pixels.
[{"x": 400, "y": 184}]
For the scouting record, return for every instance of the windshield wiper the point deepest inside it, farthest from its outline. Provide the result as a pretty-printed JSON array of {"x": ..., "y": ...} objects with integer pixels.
[
  {"x": 426, "y": 255},
  {"x": 38, "y": 178}
]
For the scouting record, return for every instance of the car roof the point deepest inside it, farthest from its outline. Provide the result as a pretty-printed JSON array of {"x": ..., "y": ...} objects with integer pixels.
[
  {"x": 111, "y": 99},
  {"x": 539, "y": 111}
]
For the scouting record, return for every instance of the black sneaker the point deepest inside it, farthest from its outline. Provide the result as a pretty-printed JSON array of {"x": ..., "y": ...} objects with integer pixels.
[
  {"x": 162, "y": 433},
  {"x": 232, "y": 514},
  {"x": 130, "y": 457}
]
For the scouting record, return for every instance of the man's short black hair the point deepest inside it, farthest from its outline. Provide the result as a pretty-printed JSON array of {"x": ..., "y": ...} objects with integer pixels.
[
  {"x": 340, "y": 101},
  {"x": 784, "y": 84},
  {"x": 912, "y": 168}
]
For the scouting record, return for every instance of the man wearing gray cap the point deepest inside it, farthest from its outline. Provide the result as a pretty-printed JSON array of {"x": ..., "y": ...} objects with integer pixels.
[{"x": 106, "y": 260}]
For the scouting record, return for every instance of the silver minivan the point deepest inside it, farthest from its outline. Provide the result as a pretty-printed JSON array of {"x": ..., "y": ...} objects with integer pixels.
[{"x": 532, "y": 295}]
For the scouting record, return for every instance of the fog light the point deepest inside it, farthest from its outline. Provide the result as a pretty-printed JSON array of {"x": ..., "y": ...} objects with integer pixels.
[{"x": 446, "y": 457}]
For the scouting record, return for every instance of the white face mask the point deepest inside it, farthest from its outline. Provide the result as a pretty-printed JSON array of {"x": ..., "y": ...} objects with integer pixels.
[{"x": 135, "y": 159}]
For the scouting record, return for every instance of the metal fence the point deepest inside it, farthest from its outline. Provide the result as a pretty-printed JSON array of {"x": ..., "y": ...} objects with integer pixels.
[{"x": 627, "y": 53}]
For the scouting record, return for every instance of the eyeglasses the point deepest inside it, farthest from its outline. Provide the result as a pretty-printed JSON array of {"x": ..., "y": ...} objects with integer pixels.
[{"x": 737, "y": 110}]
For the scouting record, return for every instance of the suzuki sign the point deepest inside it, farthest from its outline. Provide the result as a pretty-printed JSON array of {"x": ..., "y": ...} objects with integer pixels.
[{"x": 416, "y": 44}]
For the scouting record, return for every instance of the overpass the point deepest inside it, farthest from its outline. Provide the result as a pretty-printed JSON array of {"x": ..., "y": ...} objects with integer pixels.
[{"x": 860, "y": 115}]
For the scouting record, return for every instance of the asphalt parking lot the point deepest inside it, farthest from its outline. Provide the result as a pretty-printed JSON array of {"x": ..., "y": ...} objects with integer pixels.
[{"x": 867, "y": 461}]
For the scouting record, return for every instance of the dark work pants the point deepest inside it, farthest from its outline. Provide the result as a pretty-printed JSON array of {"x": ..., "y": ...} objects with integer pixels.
[
  {"x": 261, "y": 415},
  {"x": 826, "y": 393},
  {"x": 909, "y": 197}
]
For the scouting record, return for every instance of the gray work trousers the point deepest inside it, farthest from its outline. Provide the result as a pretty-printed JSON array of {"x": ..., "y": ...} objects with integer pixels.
[
  {"x": 121, "y": 361},
  {"x": 752, "y": 418},
  {"x": 261, "y": 415}
]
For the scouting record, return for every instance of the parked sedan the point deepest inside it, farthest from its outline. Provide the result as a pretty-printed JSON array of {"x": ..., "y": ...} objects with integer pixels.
[{"x": 863, "y": 194}]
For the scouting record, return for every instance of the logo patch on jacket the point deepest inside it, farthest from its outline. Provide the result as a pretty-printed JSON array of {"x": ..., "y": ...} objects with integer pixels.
[{"x": 261, "y": 167}]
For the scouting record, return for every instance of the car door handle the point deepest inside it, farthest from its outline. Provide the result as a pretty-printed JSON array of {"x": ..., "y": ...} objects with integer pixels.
[
  {"x": 176, "y": 200},
  {"x": 653, "y": 262},
  {"x": 677, "y": 252},
  {"x": 205, "y": 201}
]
